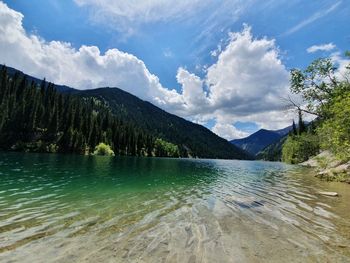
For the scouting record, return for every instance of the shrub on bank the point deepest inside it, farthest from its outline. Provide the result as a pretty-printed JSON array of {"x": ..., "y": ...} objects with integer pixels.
[
  {"x": 299, "y": 148},
  {"x": 103, "y": 149}
]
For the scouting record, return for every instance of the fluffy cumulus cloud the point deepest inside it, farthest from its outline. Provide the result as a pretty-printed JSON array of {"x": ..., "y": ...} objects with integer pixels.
[
  {"x": 81, "y": 68},
  {"x": 246, "y": 83},
  {"x": 323, "y": 47},
  {"x": 228, "y": 131},
  {"x": 248, "y": 77}
]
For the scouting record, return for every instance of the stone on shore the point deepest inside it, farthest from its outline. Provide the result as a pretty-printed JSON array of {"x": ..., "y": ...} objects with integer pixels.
[{"x": 333, "y": 194}]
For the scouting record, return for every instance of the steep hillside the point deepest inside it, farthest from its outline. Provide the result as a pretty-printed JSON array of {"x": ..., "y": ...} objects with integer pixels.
[
  {"x": 272, "y": 152},
  {"x": 135, "y": 127},
  {"x": 193, "y": 139},
  {"x": 257, "y": 141},
  {"x": 12, "y": 72}
]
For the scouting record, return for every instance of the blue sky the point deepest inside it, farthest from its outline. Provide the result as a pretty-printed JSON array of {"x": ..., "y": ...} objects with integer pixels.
[{"x": 167, "y": 38}]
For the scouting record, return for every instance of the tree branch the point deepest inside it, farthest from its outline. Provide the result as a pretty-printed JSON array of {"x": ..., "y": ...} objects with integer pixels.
[{"x": 299, "y": 108}]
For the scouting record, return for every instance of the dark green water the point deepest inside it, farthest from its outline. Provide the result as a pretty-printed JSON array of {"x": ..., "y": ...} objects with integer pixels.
[{"x": 66, "y": 208}]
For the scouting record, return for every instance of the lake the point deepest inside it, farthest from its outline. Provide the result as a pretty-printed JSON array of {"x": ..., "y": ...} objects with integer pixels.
[{"x": 70, "y": 208}]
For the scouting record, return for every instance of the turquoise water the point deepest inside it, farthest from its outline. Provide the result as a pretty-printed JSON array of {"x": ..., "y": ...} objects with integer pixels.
[{"x": 68, "y": 208}]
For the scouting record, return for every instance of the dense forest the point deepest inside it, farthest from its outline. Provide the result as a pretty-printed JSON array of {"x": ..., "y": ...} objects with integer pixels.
[
  {"x": 192, "y": 139},
  {"x": 38, "y": 118}
]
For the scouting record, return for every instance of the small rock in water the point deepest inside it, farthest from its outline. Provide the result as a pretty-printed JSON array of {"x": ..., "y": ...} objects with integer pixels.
[
  {"x": 342, "y": 246},
  {"x": 328, "y": 193}
]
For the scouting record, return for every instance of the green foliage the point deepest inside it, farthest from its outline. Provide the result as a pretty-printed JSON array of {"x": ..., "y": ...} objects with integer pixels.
[
  {"x": 322, "y": 161},
  {"x": 103, "y": 149},
  {"x": 36, "y": 117},
  {"x": 166, "y": 149},
  {"x": 315, "y": 84},
  {"x": 334, "y": 132},
  {"x": 40, "y": 119},
  {"x": 52, "y": 148},
  {"x": 294, "y": 128},
  {"x": 272, "y": 152},
  {"x": 298, "y": 148},
  {"x": 192, "y": 139},
  {"x": 301, "y": 124},
  {"x": 334, "y": 176},
  {"x": 329, "y": 98}
]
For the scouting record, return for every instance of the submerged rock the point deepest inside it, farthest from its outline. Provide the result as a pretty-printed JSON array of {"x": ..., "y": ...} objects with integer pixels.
[
  {"x": 328, "y": 193},
  {"x": 245, "y": 202}
]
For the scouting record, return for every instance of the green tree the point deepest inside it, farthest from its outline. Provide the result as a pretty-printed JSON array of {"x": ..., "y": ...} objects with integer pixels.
[
  {"x": 316, "y": 84},
  {"x": 328, "y": 97},
  {"x": 301, "y": 124},
  {"x": 299, "y": 148},
  {"x": 294, "y": 128},
  {"x": 103, "y": 149},
  {"x": 335, "y": 131},
  {"x": 165, "y": 149}
]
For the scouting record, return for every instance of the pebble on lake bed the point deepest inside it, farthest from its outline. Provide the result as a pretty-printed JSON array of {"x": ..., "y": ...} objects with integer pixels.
[{"x": 328, "y": 193}]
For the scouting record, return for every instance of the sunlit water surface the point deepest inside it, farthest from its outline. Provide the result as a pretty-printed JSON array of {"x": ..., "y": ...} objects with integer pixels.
[{"x": 63, "y": 208}]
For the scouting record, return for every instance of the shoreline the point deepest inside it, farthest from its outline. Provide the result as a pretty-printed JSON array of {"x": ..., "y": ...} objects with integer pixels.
[{"x": 329, "y": 168}]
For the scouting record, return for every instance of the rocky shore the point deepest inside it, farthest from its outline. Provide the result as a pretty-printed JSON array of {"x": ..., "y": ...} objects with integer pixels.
[{"x": 329, "y": 168}]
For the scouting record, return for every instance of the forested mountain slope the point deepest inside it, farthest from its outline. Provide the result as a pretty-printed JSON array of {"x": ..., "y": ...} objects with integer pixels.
[
  {"x": 193, "y": 139},
  {"x": 39, "y": 116},
  {"x": 259, "y": 140}
]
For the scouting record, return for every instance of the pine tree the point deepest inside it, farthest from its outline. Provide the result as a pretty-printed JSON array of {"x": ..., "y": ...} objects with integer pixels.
[
  {"x": 294, "y": 130},
  {"x": 301, "y": 127},
  {"x": 36, "y": 114}
]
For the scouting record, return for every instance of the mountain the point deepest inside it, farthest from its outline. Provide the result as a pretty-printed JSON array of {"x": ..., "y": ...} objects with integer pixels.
[
  {"x": 283, "y": 132},
  {"x": 193, "y": 139},
  {"x": 55, "y": 117},
  {"x": 272, "y": 152},
  {"x": 12, "y": 71},
  {"x": 260, "y": 139}
]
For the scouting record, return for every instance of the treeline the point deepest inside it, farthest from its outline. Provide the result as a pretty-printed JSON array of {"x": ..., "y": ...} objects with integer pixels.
[
  {"x": 192, "y": 139},
  {"x": 38, "y": 118},
  {"x": 326, "y": 95}
]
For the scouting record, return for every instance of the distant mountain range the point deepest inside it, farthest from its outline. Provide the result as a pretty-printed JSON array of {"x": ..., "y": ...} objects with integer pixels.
[
  {"x": 192, "y": 139},
  {"x": 261, "y": 139}
]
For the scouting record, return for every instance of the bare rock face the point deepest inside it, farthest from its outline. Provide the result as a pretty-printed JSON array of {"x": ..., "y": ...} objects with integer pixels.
[
  {"x": 342, "y": 168},
  {"x": 310, "y": 163}
]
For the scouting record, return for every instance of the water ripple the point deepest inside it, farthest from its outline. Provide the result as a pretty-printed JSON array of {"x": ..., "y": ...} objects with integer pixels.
[{"x": 90, "y": 209}]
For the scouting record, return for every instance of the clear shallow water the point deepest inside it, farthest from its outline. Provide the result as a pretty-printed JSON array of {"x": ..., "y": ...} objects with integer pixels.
[{"x": 63, "y": 208}]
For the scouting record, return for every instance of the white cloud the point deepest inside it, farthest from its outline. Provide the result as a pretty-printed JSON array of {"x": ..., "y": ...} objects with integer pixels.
[
  {"x": 228, "y": 131},
  {"x": 194, "y": 98},
  {"x": 246, "y": 83},
  {"x": 323, "y": 47},
  {"x": 343, "y": 66},
  {"x": 248, "y": 76},
  {"x": 82, "y": 68},
  {"x": 314, "y": 17},
  {"x": 126, "y": 16}
]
